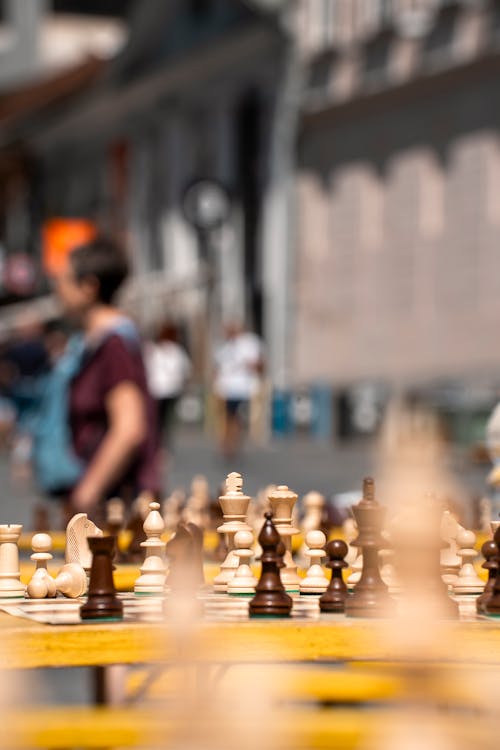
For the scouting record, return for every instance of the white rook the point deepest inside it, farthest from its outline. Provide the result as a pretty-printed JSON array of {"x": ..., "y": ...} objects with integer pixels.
[{"x": 10, "y": 575}]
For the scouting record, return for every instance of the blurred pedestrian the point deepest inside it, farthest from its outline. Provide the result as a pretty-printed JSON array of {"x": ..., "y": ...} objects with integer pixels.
[
  {"x": 238, "y": 371},
  {"x": 168, "y": 368},
  {"x": 24, "y": 364},
  {"x": 112, "y": 421}
]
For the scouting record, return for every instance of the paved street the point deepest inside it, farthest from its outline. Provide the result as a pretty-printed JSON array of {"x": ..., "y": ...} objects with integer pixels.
[{"x": 300, "y": 462}]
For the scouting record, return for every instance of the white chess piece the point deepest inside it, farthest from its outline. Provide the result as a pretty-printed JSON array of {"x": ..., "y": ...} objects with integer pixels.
[
  {"x": 356, "y": 570},
  {"x": 153, "y": 569},
  {"x": 197, "y": 506},
  {"x": 315, "y": 581},
  {"x": 234, "y": 504},
  {"x": 171, "y": 509},
  {"x": 450, "y": 560},
  {"x": 313, "y": 503},
  {"x": 350, "y": 531},
  {"x": 71, "y": 581},
  {"x": 77, "y": 549},
  {"x": 243, "y": 581},
  {"x": 41, "y": 585},
  {"x": 282, "y": 501},
  {"x": 10, "y": 575},
  {"x": 255, "y": 516},
  {"x": 386, "y": 561},
  {"x": 115, "y": 514},
  {"x": 467, "y": 580}
]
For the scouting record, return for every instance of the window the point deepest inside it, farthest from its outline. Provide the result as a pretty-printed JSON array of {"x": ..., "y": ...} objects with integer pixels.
[
  {"x": 110, "y": 8},
  {"x": 439, "y": 42}
]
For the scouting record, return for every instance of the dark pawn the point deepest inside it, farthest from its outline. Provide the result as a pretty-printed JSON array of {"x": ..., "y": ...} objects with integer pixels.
[
  {"x": 333, "y": 600},
  {"x": 492, "y": 605},
  {"x": 102, "y": 602},
  {"x": 114, "y": 525},
  {"x": 135, "y": 553},
  {"x": 270, "y": 597},
  {"x": 489, "y": 551}
]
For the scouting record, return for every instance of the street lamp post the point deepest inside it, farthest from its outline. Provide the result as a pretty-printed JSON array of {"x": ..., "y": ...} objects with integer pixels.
[{"x": 206, "y": 204}]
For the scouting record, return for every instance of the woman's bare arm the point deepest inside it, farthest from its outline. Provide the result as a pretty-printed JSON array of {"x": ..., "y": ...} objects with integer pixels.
[{"x": 127, "y": 430}]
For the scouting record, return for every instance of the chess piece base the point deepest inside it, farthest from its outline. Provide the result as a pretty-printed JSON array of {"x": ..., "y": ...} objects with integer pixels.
[
  {"x": 337, "y": 605},
  {"x": 276, "y": 604},
  {"x": 102, "y": 608},
  {"x": 369, "y": 604}
]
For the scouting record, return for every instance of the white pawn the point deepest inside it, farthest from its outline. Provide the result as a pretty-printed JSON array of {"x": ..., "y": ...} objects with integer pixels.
[
  {"x": 71, "y": 581},
  {"x": 350, "y": 531},
  {"x": 42, "y": 585},
  {"x": 153, "y": 570},
  {"x": 243, "y": 581},
  {"x": 171, "y": 509},
  {"x": 467, "y": 580},
  {"x": 315, "y": 581},
  {"x": 313, "y": 503},
  {"x": 10, "y": 575},
  {"x": 356, "y": 570}
]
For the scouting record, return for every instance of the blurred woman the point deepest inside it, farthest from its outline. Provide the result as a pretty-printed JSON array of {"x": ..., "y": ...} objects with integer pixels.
[{"x": 111, "y": 414}]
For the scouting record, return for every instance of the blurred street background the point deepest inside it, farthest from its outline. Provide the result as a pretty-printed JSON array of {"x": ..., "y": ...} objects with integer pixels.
[{"x": 324, "y": 172}]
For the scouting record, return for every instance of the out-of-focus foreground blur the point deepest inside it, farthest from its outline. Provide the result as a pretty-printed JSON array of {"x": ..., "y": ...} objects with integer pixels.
[{"x": 322, "y": 179}]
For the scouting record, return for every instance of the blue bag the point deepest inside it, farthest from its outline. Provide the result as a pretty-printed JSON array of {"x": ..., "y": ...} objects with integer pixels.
[{"x": 56, "y": 466}]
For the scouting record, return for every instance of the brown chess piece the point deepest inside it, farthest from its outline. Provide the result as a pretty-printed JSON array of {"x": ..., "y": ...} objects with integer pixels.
[
  {"x": 140, "y": 509},
  {"x": 196, "y": 552},
  {"x": 370, "y": 596},
  {"x": 492, "y": 605},
  {"x": 489, "y": 551},
  {"x": 102, "y": 602},
  {"x": 270, "y": 597},
  {"x": 334, "y": 598},
  {"x": 115, "y": 517}
]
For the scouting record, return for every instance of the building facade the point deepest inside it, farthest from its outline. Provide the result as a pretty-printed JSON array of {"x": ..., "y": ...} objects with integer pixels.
[
  {"x": 397, "y": 267},
  {"x": 358, "y": 144},
  {"x": 191, "y": 96}
]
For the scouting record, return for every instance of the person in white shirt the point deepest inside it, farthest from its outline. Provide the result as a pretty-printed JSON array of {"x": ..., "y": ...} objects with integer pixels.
[
  {"x": 238, "y": 367},
  {"x": 168, "y": 368}
]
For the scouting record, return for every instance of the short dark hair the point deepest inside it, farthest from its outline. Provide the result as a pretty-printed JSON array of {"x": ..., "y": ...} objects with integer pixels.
[{"x": 103, "y": 259}]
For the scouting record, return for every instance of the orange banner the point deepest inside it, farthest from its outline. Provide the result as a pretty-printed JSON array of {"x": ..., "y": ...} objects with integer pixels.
[{"x": 60, "y": 237}]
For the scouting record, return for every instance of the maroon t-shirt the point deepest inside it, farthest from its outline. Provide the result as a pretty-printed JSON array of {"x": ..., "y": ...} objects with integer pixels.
[{"x": 115, "y": 360}]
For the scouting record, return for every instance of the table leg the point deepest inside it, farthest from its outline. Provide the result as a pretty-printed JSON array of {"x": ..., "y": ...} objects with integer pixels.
[{"x": 109, "y": 685}]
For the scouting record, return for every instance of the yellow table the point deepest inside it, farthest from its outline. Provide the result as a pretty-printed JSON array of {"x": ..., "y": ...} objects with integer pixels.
[{"x": 25, "y": 644}]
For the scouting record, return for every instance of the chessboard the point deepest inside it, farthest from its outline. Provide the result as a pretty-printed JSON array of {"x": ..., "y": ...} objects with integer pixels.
[
  {"x": 148, "y": 609},
  {"x": 214, "y": 608}
]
